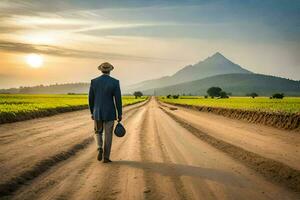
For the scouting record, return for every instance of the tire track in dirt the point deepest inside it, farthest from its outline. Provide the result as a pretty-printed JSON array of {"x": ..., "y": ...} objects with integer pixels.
[
  {"x": 272, "y": 170},
  {"x": 179, "y": 185},
  {"x": 15, "y": 183},
  {"x": 131, "y": 184},
  {"x": 179, "y": 155},
  {"x": 153, "y": 143},
  {"x": 62, "y": 180},
  {"x": 151, "y": 192},
  {"x": 24, "y": 129},
  {"x": 23, "y": 139},
  {"x": 17, "y": 158}
]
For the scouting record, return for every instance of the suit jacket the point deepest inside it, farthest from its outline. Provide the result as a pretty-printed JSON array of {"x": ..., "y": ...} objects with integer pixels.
[{"x": 105, "y": 98}]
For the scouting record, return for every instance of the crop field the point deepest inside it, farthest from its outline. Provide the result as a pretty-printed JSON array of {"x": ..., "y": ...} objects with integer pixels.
[
  {"x": 285, "y": 105},
  {"x": 20, "y": 107}
]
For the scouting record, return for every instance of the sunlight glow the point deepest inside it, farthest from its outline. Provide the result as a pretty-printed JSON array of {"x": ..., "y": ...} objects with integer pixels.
[{"x": 34, "y": 60}]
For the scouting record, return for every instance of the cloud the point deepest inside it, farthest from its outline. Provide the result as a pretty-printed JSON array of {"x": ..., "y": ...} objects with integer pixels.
[
  {"x": 33, "y": 7},
  {"x": 243, "y": 19},
  {"x": 9, "y": 29},
  {"x": 66, "y": 52}
]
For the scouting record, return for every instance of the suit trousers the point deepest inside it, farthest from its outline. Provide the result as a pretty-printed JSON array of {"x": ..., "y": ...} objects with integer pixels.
[{"x": 108, "y": 127}]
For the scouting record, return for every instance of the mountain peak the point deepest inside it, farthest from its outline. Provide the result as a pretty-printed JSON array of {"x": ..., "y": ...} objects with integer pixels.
[
  {"x": 218, "y": 56},
  {"x": 217, "y": 59}
]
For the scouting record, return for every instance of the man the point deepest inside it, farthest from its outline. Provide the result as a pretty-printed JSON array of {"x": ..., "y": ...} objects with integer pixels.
[{"x": 104, "y": 99}]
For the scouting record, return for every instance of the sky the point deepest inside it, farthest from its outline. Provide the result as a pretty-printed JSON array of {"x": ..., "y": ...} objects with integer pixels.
[{"x": 144, "y": 39}]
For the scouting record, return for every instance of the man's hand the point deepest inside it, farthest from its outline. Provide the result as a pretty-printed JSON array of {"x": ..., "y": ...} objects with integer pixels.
[
  {"x": 119, "y": 118},
  {"x": 92, "y": 116}
]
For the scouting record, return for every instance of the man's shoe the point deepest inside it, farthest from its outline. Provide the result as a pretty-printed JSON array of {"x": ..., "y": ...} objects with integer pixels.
[
  {"x": 106, "y": 160},
  {"x": 100, "y": 153}
]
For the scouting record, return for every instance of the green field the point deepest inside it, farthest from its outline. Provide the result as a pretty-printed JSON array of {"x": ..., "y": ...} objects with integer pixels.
[
  {"x": 20, "y": 106},
  {"x": 285, "y": 105}
]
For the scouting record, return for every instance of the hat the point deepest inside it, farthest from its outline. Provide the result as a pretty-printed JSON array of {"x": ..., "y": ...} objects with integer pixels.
[
  {"x": 106, "y": 67},
  {"x": 119, "y": 130}
]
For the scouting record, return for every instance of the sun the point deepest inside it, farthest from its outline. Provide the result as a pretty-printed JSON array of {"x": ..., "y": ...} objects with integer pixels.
[{"x": 34, "y": 60}]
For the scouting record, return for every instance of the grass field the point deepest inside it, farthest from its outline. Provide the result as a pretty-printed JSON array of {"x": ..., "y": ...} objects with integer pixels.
[
  {"x": 285, "y": 105},
  {"x": 20, "y": 107}
]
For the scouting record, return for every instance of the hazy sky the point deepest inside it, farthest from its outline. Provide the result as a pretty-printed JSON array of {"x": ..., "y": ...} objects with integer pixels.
[{"x": 144, "y": 39}]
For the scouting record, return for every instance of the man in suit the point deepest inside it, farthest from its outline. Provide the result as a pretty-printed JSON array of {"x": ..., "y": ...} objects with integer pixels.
[{"x": 104, "y": 99}]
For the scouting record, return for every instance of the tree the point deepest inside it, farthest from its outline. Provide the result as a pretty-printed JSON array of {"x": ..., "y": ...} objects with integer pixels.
[
  {"x": 169, "y": 96},
  {"x": 223, "y": 95},
  {"x": 214, "y": 91},
  {"x": 138, "y": 94},
  {"x": 253, "y": 95},
  {"x": 278, "y": 96},
  {"x": 175, "y": 96}
]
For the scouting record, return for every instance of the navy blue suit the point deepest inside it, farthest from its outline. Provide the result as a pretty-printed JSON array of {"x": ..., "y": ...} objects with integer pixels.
[{"x": 105, "y": 98}]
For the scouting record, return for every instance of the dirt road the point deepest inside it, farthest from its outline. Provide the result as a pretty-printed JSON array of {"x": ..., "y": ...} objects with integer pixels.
[{"x": 55, "y": 158}]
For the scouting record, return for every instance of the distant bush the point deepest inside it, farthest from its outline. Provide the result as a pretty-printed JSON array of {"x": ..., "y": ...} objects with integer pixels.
[
  {"x": 223, "y": 95},
  {"x": 205, "y": 96},
  {"x": 253, "y": 95},
  {"x": 217, "y": 92},
  {"x": 169, "y": 96},
  {"x": 278, "y": 96},
  {"x": 175, "y": 96},
  {"x": 214, "y": 91},
  {"x": 138, "y": 94}
]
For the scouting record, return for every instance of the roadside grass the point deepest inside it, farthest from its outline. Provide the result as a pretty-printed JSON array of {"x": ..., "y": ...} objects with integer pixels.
[
  {"x": 17, "y": 107},
  {"x": 263, "y": 104}
]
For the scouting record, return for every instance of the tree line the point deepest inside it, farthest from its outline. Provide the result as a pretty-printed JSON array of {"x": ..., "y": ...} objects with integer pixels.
[{"x": 220, "y": 93}]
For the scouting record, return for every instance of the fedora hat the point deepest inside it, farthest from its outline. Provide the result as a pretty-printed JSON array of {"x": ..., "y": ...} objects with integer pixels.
[{"x": 106, "y": 67}]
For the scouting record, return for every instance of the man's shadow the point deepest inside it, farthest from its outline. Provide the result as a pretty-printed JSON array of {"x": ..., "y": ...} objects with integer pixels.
[{"x": 172, "y": 169}]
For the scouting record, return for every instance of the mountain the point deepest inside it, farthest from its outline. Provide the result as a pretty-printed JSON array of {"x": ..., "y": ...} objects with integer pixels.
[
  {"x": 211, "y": 66},
  {"x": 237, "y": 84}
]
